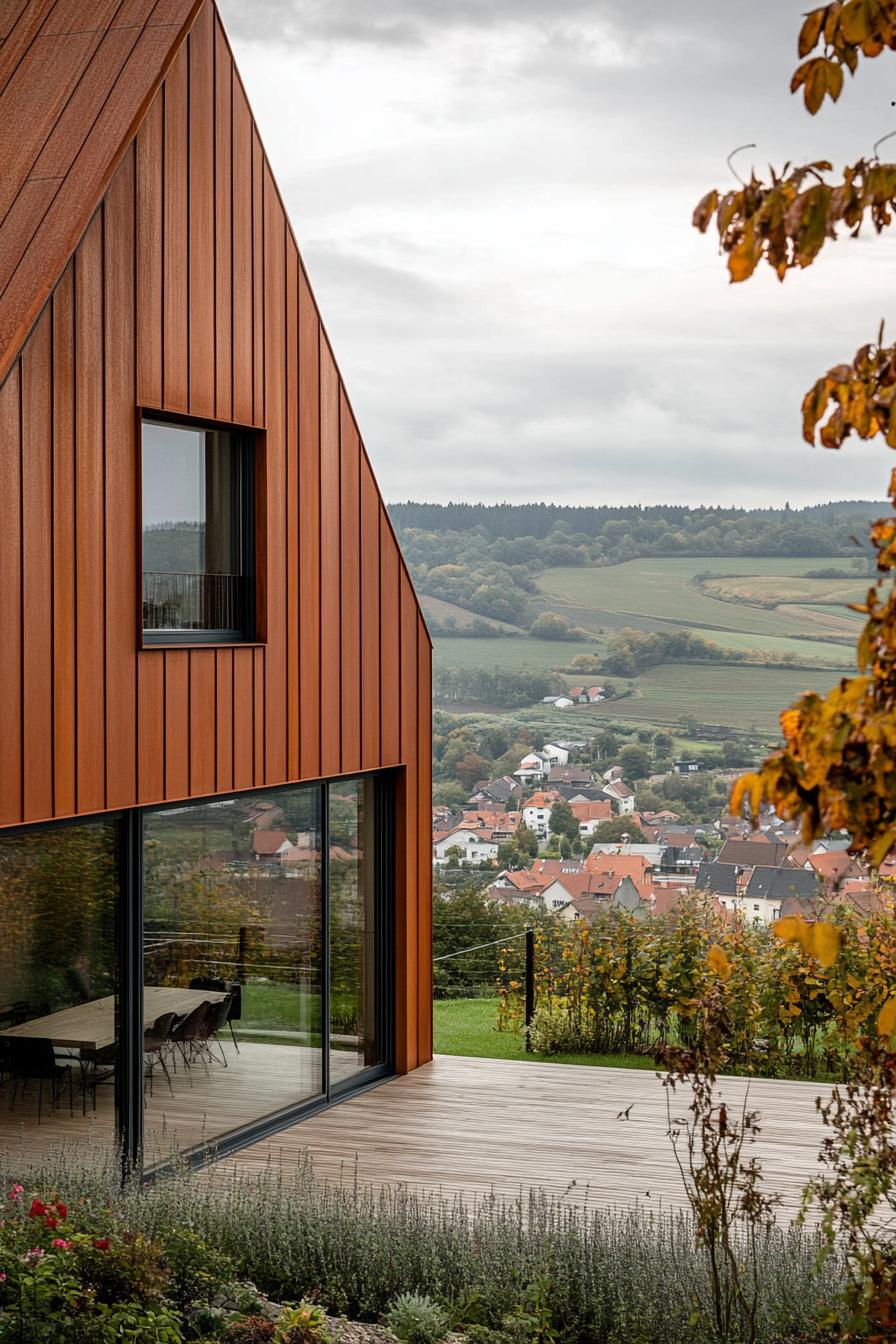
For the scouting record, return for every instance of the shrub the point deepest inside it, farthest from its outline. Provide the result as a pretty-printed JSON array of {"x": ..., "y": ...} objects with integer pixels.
[
  {"x": 304, "y": 1324},
  {"x": 415, "y": 1318},
  {"x": 250, "y": 1330}
]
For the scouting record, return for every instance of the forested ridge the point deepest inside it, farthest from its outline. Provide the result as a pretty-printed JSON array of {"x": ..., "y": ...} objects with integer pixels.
[{"x": 486, "y": 557}]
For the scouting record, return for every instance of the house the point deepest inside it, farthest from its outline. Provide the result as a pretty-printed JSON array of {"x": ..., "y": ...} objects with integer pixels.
[
  {"x": 577, "y": 695},
  {"x": 518, "y": 888},
  {"x": 206, "y": 618},
  {"x": 499, "y": 792},
  {"x": 503, "y": 825},
  {"x": 757, "y": 852},
  {"x": 590, "y": 815},
  {"x": 569, "y": 777},
  {"x": 767, "y": 890},
  {"x": 688, "y": 766},
  {"x": 555, "y": 754},
  {"x": 473, "y": 844},
  {"x": 620, "y": 795},
  {"x": 595, "y": 694},
  {"x": 537, "y": 812},
  {"x": 269, "y": 844},
  {"x": 619, "y": 893},
  {"x": 533, "y": 767},
  {"x": 563, "y": 702},
  {"x": 636, "y": 866}
]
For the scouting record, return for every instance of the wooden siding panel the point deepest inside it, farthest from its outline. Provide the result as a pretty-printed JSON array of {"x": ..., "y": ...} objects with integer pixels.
[
  {"x": 122, "y": 533},
  {"x": 309, "y": 531},
  {"x": 89, "y": 523},
  {"x": 37, "y": 570},
  {"x": 423, "y": 987},
  {"x": 150, "y": 727},
  {"x": 203, "y": 722},
  {"x": 369, "y": 668},
  {"x": 274, "y": 329},
  {"x": 243, "y": 717},
  {"x": 177, "y": 723},
  {"x": 11, "y": 598},
  {"x": 201, "y": 209},
  {"x": 241, "y": 234},
  {"x": 291, "y": 569},
  {"x": 223, "y": 230},
  {"x": 330, "y": 550},
  {"x": 350, "y": 587},
  {"x": 390, "y": 684},
  {"x": 258, "y": 274},
  {"x": 224, "y": 720},
  {"x": 175, "y": 293},
  {"x": 408, "y": 922},
  {"x": 64, "y": 592},
  {"x": 150, "y": 146}
]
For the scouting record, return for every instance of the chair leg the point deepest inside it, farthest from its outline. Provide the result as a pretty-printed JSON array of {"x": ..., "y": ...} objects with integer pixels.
[
  {"x": 233, "y": 1036},
  {"x": 166, "y": 1073}
]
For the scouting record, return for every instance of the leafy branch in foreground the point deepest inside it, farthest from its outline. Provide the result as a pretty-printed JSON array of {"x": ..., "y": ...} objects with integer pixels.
[
  {"x": 787, "y": 222},
  {"x": 844, "y": 32}
]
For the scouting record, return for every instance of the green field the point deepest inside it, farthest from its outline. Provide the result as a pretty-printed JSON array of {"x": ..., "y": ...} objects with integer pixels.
[
  {"x": 809, "y": 627},
  {"x": 662, "y": 594}
]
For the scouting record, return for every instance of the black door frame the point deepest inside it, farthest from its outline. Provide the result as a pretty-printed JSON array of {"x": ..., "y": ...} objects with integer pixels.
[{"x": 129, "y": 1080}]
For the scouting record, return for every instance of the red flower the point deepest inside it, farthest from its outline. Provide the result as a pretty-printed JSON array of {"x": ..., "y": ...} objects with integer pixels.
[
  {"x": 101, "y": 1243},
  {"x": 51, "y": 1222},
  {"x": 38, "y": 1209},
  {"x": 61, "y": 1209}
]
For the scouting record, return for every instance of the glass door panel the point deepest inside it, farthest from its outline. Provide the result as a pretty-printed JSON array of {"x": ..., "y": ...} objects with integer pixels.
[
  {"x": 59, "y": 897},
  {"x": 355, "y": 1034},
  {"x": 232, "y": 949}
]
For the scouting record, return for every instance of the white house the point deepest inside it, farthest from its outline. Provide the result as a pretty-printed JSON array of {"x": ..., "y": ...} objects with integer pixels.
[
  {"x": 620, "y": 795},
  {"x": 533, "y": 767},
  {"x": 537, "y": 814},
  {"x": 555, "y": 754},
  {"x": 563, "y": 702},
  {"x": 475, "y": 845}
]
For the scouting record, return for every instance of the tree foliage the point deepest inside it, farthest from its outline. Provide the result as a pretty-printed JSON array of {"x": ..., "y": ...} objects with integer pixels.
[{"x": 837, "y": 766}]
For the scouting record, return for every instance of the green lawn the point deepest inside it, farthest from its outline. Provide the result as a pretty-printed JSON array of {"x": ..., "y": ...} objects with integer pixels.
[
  {"x": 467, "y": 1027},
  {"x": 654, "y": 593}
]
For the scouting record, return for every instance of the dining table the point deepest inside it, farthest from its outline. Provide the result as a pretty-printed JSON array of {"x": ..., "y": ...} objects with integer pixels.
[{"x": 90, "y": 1027}]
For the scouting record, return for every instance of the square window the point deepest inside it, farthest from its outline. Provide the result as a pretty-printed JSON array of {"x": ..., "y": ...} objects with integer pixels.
[{"x": 198, "y": 534}]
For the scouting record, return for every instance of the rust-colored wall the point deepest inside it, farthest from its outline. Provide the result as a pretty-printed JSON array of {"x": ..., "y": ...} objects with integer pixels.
[{"x": 187, "y": 294}]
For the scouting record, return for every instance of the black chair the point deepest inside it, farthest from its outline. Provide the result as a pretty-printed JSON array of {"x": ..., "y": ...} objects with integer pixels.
[
  {"x": 185, "y": 1033},
  {"x": 236, "y": 1010},
  {"x": 30, "y": 1060},
  {"x": 156, "y": 1042},
  {"x": 216, "y": 1020}
]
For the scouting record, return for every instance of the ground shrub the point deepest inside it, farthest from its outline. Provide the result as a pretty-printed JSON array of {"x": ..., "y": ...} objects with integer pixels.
[
  {"x": 588, "y": 1277},
  {"x": 415, "y": 1318}
]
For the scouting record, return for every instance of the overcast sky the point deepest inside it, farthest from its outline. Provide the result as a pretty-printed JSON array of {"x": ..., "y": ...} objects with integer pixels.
[{"x": 493, "y": 199}]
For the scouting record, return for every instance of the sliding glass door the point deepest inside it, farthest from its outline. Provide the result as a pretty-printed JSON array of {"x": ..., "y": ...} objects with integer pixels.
[
  {"x": 59, "y": 1008},
  {"x": 356, "y": 1029},
  {"x": 191, "y": 974},
  {"x": 233, "y": 896}
]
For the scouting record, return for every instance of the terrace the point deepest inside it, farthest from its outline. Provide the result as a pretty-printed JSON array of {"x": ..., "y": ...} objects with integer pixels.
[{"x": 473, "y": 1127}]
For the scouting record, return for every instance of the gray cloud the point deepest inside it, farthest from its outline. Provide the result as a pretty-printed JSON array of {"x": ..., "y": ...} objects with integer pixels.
[{"x": 493, "y": 200}]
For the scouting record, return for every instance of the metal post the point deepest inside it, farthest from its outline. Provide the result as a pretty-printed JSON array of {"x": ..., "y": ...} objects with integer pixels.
[{"x": 530, "y": 982}]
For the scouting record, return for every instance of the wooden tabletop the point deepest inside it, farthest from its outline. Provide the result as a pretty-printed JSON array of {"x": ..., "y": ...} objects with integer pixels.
[{"x": 91, "y": 1026}]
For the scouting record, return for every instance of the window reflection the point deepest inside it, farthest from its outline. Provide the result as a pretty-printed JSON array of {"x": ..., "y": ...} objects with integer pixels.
[{"x": 355, "y": 1041}]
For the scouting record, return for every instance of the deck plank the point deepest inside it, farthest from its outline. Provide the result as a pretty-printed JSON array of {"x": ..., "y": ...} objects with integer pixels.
[{"x": 473, "y": 1127}]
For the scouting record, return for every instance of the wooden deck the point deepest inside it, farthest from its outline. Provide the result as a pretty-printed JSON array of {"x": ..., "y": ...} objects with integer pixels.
[{"x": 475, "y": 1126}]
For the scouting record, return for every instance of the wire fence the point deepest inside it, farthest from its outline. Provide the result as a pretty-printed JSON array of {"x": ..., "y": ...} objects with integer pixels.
[{"x": 501, "y": 968}]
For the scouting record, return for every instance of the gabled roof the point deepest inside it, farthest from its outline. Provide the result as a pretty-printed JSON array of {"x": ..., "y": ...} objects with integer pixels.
[
  {"x": 76, "y": 79},
  {"x": 752, "y": 853},
  {"x": 718, "y": 878},
  {"x": 776, "y": 883}
]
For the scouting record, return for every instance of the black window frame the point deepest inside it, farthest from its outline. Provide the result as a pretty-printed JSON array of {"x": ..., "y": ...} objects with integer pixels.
[{"x": 246, "y": 446}]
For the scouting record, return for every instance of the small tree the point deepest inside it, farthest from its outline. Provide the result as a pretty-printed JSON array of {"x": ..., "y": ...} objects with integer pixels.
[
  {"x": 635, "y": 762},
  {"x": 611, "y": 832},
  {"x": 563, "y": 821}
]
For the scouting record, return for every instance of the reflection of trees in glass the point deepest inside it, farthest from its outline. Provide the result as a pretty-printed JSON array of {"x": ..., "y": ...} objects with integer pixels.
[
  {"x": 58, "y": 904},
  {"x": 213, "y": 910}
]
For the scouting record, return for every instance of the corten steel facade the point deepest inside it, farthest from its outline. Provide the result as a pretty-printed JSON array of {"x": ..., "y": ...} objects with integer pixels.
[{"x": 148, "y": 268}]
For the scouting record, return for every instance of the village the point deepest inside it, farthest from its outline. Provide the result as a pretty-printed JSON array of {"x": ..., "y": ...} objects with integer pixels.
[{"x": 569, "y": 839}]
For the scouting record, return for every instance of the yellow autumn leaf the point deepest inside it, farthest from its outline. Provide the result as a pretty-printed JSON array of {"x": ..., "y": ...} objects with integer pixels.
[
  {"x": 717, "y": 960},
  {"x": 791, "y": 929},
  {"x": 825, "y": 942},
  {"x": 886, "y": 1018}
]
